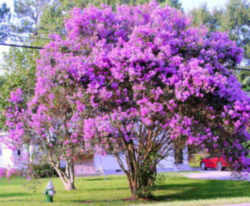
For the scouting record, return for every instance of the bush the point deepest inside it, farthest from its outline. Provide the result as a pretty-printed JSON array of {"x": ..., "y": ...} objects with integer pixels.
[
  {"x": 44, "y": 170},
  {"x": 8, "y": 173},
  {"x": 196, "y": 159},
  {"x": 2, "y": 172},
  {"x": 12, "y": 172}
]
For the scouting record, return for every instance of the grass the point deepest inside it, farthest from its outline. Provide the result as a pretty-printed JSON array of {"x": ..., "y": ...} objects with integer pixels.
[{"x": 173, "y": 190}]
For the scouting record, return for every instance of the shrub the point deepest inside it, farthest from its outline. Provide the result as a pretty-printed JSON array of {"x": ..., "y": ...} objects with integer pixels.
[
  {"x": 2, "y": 172},
  {"x": 12, "y": 172},
  {"x": 196, "y": 159},
  {"x": 43, "y": 171},
  {"x": 8, "y": 173}
]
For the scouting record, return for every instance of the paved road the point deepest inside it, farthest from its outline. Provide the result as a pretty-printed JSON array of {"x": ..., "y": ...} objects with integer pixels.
[
  {"x": 242, "y": 204},
  {"x": 217, "y": 175}
]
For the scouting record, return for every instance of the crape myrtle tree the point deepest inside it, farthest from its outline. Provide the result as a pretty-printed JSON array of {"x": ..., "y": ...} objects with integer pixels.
[
  {"x": 147, "y": 78},
  {"x": 52, "y": 121}
]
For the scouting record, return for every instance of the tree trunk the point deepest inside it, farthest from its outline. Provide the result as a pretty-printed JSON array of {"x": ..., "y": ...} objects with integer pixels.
[
  {"x": 142, "y": 156},
  {"x": 178, "y": 154},
  {"x": 141, "y": 177},
  {"x": 68, "y": 185},
  {"x": 67, "y": 176},
  {"x": 141, "y": 183},
  {"x": 133, "y": 189}
]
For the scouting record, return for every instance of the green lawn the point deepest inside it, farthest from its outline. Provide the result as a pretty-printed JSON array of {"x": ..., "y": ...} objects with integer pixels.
[{"x": 174, "y": 190}]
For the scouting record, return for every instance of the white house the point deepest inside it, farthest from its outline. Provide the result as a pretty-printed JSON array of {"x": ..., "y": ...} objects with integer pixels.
[
  {"x": 10, "y": 158},
  {"x": 107, "y": 164},
  {"x": 92, "y": 165}
]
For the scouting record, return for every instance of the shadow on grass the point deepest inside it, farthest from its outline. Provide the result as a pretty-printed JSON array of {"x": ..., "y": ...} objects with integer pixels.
[
  {"x": 109, "y": 202},
  {"x": 94, "y": 179},
  {"x": 113, "y": 177},
  {"x": 108, "y": 189},
  {"x": 14, "y": 195},
  {"x": 210, "y": 189}
]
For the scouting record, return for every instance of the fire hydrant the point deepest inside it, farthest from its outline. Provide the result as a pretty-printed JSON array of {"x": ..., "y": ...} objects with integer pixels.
[{"x": 49, "y": 192}]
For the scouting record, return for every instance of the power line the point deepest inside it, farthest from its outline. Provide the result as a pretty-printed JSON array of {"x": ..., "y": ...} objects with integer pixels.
[
  {"x": 242, "y": 69},
  {"x": 20, "y": 46}
]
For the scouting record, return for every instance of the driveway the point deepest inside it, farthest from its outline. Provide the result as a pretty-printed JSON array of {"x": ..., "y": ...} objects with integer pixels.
[
  {"x": 242, "y": 204},
  {"x": 217, "y": 175}
]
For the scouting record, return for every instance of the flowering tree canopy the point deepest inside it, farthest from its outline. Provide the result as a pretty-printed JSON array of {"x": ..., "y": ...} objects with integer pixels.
[
  {"x": 141, "y": 77},
  {"x": 51, "y": 120}
]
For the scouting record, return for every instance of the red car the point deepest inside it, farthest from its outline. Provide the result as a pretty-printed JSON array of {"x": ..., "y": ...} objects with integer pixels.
[{"x": 218, "y": 163}]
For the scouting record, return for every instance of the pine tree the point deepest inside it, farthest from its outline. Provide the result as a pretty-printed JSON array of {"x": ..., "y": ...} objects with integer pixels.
[{"x": 4, "y": 20}]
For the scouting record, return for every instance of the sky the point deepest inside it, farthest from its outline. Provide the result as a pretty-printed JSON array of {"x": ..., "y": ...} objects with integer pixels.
[
  {"x": 10, "y": 5},
  {"x": 187, "y": 5},
  {"x": 9, "y": 2}
]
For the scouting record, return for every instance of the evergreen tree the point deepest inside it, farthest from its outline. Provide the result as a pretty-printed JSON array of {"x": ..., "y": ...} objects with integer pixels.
[
  {"x": 27, "y": 14},
  {"x": 4, "y": 20},
  {"x": 236, "y": 21},
  {"x": 202, "y": 16},
  {"x": 173, "y": 3},
  {"x": 244, "y": 77}
]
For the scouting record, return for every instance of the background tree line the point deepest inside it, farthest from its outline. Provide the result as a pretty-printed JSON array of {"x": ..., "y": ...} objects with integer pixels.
[{"x": 234, "y": 19}]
